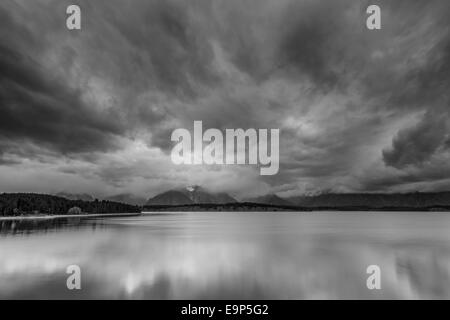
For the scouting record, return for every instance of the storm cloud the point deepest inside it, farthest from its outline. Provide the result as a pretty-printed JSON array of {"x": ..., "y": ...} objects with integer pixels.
[{"x": 92, "y": 110}]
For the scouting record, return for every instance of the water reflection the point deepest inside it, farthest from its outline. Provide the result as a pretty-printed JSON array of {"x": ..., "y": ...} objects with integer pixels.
[
  {"x": 42, "y": 225},
  {"x": 230, "y": 256}
]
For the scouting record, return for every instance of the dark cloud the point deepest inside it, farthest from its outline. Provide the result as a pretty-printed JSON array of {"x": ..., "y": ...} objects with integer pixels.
[
  {"x": 307, "y": 44},
  {"x": 417, "y": 144},
  {"x": 39, "y": 107},
  {"x": 435, "y": 176},
  {"x": 427, "y": 85},
  {"x": 343, "y": 97},
  {"x": 168, "y": 44}
]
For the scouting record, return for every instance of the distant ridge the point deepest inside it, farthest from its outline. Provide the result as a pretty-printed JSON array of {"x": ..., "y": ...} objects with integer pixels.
[
  {"x": 75, "y": 196},
  {"x": 415, "y": 201},
  {"x": 375, "y": 200},
  {"x": 127, "y": 198},
  {"x": 271, "y": 199}
]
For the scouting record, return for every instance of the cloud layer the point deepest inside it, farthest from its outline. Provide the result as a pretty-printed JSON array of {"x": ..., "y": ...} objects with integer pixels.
[{"x": 93, "y": 110}]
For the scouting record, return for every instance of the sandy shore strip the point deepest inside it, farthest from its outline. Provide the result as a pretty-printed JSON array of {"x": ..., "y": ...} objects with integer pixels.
[{"x": 58, "y": 216}]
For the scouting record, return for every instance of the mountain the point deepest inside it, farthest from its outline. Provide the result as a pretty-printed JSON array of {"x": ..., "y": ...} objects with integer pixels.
[
  {"x": 190, "y": 195},
  {"x": 374, "y": 200},
  {"x": 271, "y": 199},
  {"x": 199, "y": 195},
  {"x": 171, "y": 197},
  {"x": 127, "y": 198},
  {"x": 224, "y": 198},
  {"x": 75, "y": 196}
]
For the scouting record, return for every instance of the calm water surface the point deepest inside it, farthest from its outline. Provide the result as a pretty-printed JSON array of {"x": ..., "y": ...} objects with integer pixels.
[{"x": 229, "y": 256}]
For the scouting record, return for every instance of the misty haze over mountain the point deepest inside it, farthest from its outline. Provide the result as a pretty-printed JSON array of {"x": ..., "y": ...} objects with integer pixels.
[
  {"x": 404, "y": 201},
  {"x": 189, "y": 195}
]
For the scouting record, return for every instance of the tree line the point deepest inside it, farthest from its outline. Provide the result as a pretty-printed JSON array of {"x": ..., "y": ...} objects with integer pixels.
[{"x": 14, "y": 204}]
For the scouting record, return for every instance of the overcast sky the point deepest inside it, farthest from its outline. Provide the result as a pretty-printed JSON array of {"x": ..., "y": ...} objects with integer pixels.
[{"x": 92, "y": 110}]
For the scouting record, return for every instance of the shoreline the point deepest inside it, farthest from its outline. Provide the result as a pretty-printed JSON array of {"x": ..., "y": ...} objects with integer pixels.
[{"x": 59, "y": 216}]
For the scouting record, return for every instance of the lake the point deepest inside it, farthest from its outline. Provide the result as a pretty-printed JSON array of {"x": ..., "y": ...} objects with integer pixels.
[{"x": 282, "y": 255}]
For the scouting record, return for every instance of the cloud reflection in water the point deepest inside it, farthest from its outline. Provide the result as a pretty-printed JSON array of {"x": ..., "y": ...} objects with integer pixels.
[{"x": 232, "y": 256}]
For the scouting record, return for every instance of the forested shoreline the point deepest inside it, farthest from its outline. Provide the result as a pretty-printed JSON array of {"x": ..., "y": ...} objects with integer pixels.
[{"x": 20, "y": 204}]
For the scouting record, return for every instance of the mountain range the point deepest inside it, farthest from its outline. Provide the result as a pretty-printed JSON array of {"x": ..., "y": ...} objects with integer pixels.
[
  {"x": 365, "y": 201},
  {"x": 128, "y": 199},
  {"x": 271, "y": 199},
  {"x": 189, "y": 195},
  {"x": 374, "y": 200},
  {"x": 340, "y": 201}
]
